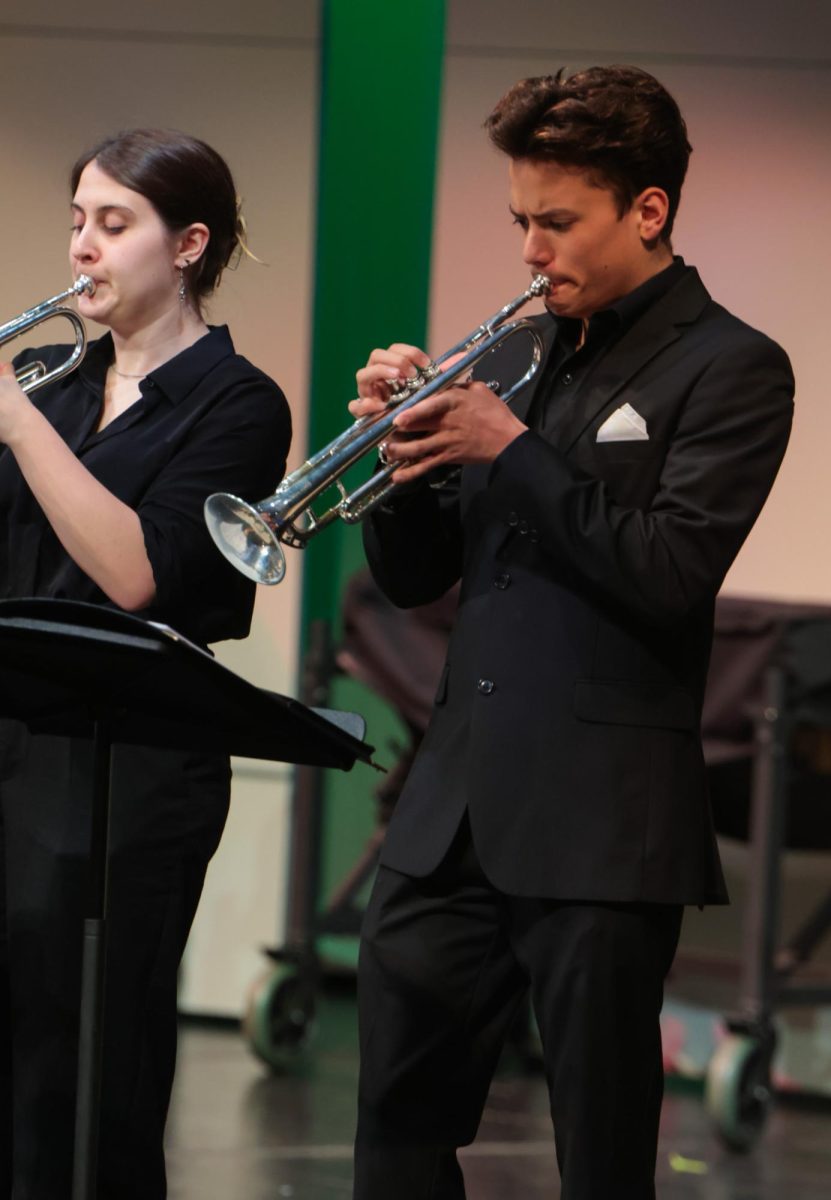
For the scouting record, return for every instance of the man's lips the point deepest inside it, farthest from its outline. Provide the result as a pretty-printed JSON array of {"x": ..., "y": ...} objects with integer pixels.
[{"x": 557, "y": 290}]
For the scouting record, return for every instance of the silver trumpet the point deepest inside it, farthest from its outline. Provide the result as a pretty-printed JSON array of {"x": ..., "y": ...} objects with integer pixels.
[
  {"x": 249, "y": 535},
  {"x": 35, "y": 374}
]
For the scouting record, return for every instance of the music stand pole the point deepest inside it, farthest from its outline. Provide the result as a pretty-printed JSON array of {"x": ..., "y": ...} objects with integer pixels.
[
  {"x": 77, "y": 669},
  {"x": 93, "y": 961}
]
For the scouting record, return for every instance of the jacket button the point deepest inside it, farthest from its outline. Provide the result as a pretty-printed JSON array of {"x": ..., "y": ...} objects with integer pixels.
[
  {"x": 566, "y": 378},
  {"x": 513, "y": 519},
  {"x": 485, "y": 686},
  {"x": 523, "y": 527},
  {"x": 502, "y": 581},
  {"x": 534, "y": 535}
]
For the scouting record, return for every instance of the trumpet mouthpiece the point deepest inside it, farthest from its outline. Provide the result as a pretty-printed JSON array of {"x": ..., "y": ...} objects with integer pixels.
[{"x": 84, "y": 284}]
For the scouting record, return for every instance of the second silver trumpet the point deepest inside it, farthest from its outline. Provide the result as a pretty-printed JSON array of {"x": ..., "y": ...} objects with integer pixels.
[{"x": 249, "y": 535}]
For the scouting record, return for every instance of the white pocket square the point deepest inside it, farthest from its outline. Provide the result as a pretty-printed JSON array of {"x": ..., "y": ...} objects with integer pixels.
[{"x": 624, "y": 425}]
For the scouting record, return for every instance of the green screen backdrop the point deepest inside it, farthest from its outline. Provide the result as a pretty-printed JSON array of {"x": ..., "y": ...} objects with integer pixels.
[{"x": 381, "y": 66}]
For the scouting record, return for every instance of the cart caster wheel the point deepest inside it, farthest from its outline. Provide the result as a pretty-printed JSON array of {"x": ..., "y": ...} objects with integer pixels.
[
  {"x": 738, "y": 1089},
  {"x": 279, "y": 1018}
]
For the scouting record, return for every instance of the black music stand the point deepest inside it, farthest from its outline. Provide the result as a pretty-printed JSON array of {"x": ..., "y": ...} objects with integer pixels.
[{"x": 81, "y": 670}]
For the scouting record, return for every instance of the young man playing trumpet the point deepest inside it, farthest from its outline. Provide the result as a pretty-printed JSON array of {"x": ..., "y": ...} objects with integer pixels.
[{"x": 556, "y": 819}]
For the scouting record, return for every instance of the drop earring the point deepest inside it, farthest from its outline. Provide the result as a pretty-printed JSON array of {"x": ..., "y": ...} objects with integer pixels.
[{"x": 183, "y": 290}]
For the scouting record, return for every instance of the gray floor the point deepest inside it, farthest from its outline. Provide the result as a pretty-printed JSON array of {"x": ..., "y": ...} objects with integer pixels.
[{"x": 237, "y": 1132}]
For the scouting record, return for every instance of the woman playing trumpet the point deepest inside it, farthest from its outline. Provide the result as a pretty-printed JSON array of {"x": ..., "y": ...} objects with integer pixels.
[{"x": 102, "y": 480}]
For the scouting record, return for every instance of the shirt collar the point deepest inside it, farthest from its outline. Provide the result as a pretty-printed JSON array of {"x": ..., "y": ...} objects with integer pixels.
[
  {"x": 176, "y": 378},
  {"x": 632, "y": 306},
  {"x": 625, "y": 311}
]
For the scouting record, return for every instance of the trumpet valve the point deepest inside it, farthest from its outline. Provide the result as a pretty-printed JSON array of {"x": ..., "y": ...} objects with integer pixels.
[{"x": 404, "y": 389}]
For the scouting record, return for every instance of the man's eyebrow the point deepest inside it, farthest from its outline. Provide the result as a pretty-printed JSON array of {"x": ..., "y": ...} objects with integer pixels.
[{"x": 549, "y": 214}]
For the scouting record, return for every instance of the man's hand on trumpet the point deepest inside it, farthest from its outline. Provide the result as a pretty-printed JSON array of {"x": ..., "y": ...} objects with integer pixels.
[
  {"x": 466, "y": 423},
  {"x": 384, "y": 370}
]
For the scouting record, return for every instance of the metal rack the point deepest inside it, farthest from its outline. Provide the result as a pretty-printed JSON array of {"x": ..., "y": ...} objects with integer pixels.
[{"x": 770, "y": 686}]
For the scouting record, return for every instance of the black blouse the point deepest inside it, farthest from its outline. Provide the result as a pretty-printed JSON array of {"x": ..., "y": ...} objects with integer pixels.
[{"x": 207, "y": 421}]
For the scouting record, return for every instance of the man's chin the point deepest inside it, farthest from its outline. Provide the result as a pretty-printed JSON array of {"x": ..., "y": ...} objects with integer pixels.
[
  {"x": 563, "y": 300},
  {"x": 560, "y": 307}
]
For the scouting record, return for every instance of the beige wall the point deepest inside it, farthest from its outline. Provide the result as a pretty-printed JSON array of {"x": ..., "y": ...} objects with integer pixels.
[
  {"x": 244, "y": 77},
  {"x": 755, "y": 86},
  {"x": 754, "y": 83}
]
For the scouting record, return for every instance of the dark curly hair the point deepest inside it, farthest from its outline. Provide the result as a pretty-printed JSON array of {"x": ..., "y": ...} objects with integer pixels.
[
  {"x": 186, "y": 181},
  {"x": 619, "y": 124}
]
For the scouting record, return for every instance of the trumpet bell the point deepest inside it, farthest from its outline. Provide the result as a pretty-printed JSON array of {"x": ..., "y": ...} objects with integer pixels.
[{"x": 243, "y": 536}]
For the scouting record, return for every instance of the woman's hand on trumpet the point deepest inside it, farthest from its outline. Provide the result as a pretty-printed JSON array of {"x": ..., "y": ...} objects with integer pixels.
[
  {"x": 466, "y": 423},
  {"x": 14, "y": 405}
]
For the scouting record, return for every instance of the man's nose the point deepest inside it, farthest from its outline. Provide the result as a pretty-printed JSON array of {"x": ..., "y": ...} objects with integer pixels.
[{"x": 535, "y": 251}]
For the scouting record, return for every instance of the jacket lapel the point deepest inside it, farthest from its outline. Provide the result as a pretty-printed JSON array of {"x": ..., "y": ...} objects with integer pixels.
[{"x": 643, "y": 341}]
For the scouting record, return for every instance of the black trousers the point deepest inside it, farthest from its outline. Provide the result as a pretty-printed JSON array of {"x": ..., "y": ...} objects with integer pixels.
[
  {"x": 168, "y": 810},
  {"x": 445, "y": 962}
]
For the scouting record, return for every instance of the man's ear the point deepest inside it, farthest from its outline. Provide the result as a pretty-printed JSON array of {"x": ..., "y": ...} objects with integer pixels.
[{"x": 652, "y": 207}]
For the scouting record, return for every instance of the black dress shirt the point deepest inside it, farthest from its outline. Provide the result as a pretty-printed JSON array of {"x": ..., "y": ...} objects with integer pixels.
[
  {"x": 567, "y": 367},
  {"x": 206, "y": 421}
]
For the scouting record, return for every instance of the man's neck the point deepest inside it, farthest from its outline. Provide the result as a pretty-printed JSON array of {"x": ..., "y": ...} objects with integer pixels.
[{"x": 659, "y": 258}]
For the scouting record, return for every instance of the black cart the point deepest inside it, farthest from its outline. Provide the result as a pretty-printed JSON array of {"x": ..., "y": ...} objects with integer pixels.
[{"x": 767, "y": 740}]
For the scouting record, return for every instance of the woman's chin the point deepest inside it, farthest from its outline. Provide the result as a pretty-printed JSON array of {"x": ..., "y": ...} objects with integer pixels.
[{"x": 95, "y": 310}]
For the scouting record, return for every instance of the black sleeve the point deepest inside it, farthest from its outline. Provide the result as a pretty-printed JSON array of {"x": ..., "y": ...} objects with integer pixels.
[
  {"x": 414, "y": 543},
  {"x": 240, "y": 446}
]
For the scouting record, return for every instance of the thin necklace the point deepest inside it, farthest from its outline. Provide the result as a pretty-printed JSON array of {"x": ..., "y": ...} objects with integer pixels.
[{"x": 124, "y": 374}]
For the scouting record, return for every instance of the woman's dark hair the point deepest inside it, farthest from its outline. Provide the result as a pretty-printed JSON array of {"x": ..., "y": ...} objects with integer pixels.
[
  {"x": 186, "y": 181},
  {"x": 617, "y": 123}
]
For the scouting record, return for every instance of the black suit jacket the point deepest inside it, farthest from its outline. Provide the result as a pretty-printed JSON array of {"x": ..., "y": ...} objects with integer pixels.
[{"x": 567, "y": 718}]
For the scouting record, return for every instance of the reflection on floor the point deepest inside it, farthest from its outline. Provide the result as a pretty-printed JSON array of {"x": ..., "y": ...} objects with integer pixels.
[{"x": 237, "y": 1132}]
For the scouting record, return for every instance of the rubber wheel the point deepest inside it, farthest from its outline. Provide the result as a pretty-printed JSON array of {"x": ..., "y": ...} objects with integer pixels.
[
  {"x": 279, "y": 1018},
  {"x": 738, "y": 1090}
]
